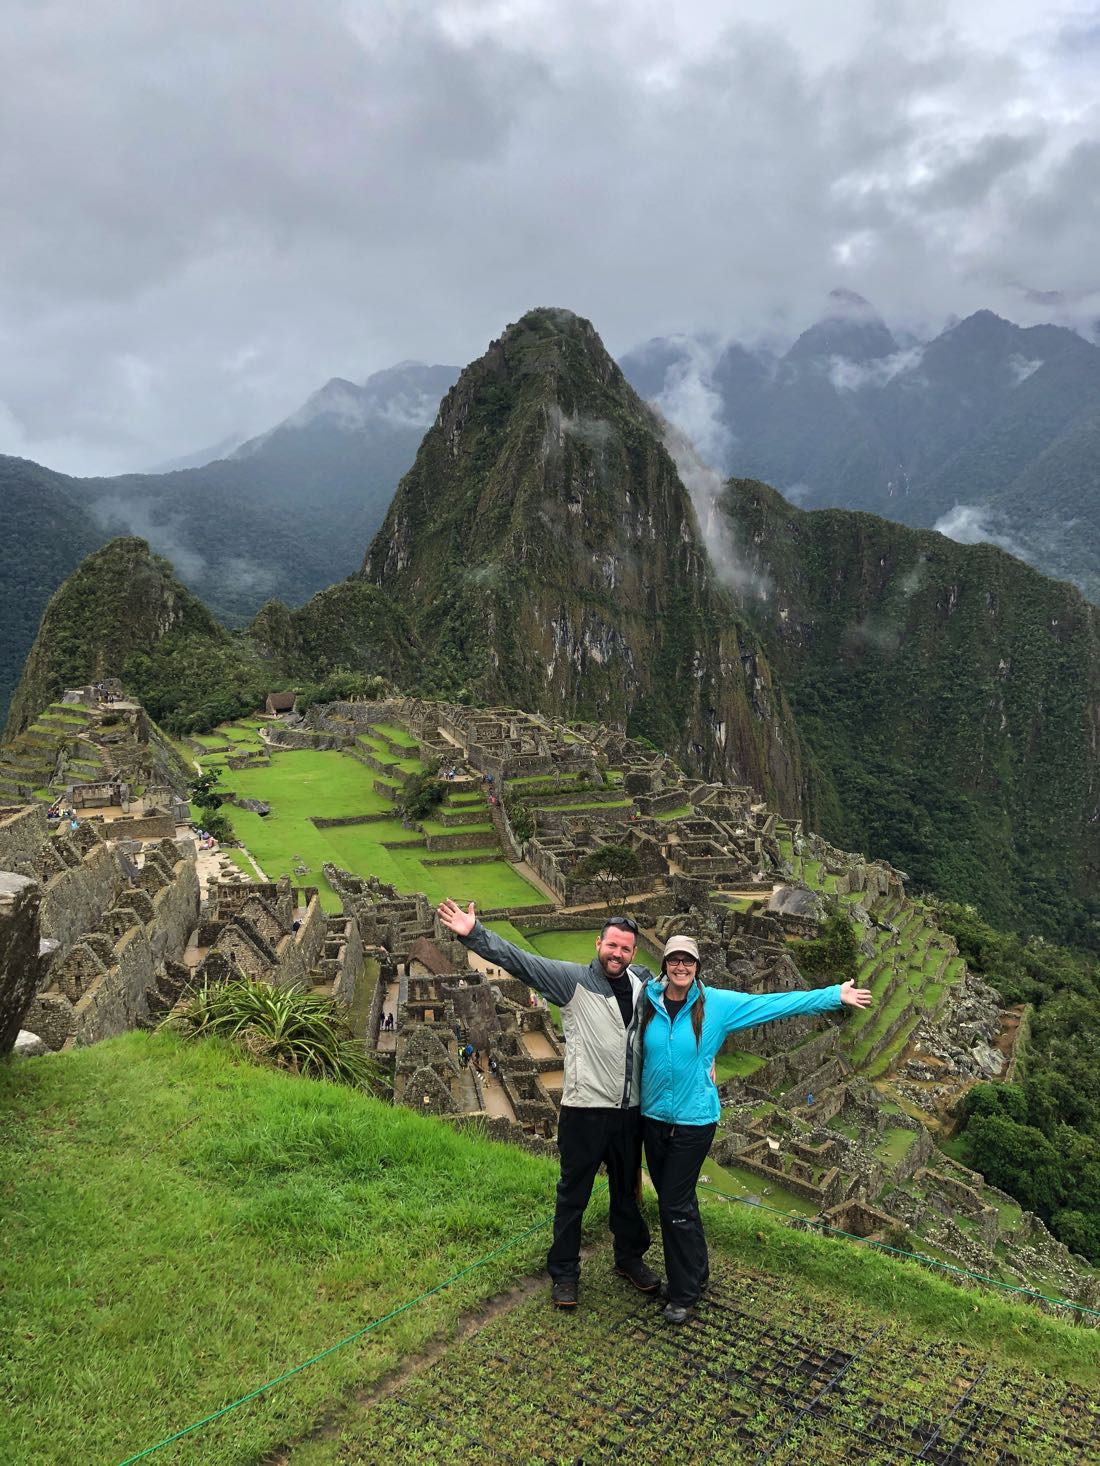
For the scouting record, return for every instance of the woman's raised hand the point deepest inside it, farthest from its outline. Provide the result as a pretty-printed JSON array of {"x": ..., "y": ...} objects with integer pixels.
[
  {"x": 849, "y": 994},
  {"x": 460, "y": 922}
]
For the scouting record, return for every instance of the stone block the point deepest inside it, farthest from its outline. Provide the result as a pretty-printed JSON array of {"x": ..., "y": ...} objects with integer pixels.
[{"x": 19, "y": 945}]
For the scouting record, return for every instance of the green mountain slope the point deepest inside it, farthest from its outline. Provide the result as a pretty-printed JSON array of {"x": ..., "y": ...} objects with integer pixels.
[
  {"x": 547, "y": 554},
  {"x": 949, "y": 693},
  {"x": 45, "y": 535},
  {"x": 122, "y": 613}
]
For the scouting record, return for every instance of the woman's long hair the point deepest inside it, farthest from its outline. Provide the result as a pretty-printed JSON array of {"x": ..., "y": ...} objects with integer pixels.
[{"x": 696, "y": 1009}]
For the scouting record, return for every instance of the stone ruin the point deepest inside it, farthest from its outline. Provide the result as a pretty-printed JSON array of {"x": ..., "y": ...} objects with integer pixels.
[
  {"x": 109, "y": 925},
  {"x": 118, "y": 936}
]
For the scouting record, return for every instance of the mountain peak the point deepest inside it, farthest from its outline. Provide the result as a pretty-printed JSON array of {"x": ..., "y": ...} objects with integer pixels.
[
  {"x": 545, "y": 548},
  {"x": 121, "y": 601},
  {"x": 850, "y": 328}
]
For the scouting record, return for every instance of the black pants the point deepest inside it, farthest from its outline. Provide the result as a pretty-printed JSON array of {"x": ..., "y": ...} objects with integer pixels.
[
  {"x": 675, "y": 1155},
  {"x": 587, "y": 1137}
]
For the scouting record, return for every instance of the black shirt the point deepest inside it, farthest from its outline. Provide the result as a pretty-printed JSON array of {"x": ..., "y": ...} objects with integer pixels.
[
  {"x": 673, "y": 1007},
  {"x": 624, "y": 995}
]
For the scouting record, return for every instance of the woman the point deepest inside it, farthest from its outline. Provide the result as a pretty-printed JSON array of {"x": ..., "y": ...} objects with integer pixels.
[{"x": 683, "y": 1027}]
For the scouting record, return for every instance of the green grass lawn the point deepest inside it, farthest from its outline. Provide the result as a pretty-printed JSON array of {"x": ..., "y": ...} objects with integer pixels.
[
  {"x": 510, "y": 933},
  {"x": 594, "y": 803},
  {"x": 255, "y": 1219},
  {"x": 680, "y": 813},
  {"x": 894, "y": 1144},
  {"x": 742, "y": 1185},
  {"x": 401, "y": 736},
  {"x": 566, "y": 946},
  {"x": 301, "y": 783},
  {"x": 476, "y": 827},
  {"x": 736, "y": 1065},
  {"x": 240, "y": 861}
]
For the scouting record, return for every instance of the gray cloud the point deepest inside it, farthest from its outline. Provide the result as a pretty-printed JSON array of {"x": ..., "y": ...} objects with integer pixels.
[
  {"x": 733, "y": 566},
  {"x": 215, "y": 208},
  {"x": 974, "y": 524}
]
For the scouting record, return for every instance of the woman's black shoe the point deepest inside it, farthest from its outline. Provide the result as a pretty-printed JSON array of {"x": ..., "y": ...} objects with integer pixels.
[{"x": 677, "y": 1312}]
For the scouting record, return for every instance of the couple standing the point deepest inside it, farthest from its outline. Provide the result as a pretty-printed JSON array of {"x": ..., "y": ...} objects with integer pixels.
[{"x": 639, "y": 1053}]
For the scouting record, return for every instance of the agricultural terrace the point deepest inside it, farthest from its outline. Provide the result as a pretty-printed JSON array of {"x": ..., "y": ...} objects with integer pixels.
[
  {"x": 909, "y": 973},
  {"x": 258, "y": 1218},
  {"x": 305, "y": 785}
]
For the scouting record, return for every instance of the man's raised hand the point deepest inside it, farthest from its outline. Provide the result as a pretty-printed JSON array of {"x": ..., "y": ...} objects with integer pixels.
[
  {"x": 461, "y": 922},
  {"x": 851, "y": 995}
]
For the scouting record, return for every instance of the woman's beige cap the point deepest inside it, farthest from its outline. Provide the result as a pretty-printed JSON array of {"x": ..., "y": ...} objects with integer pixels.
[{"x": 680, "y": 944}]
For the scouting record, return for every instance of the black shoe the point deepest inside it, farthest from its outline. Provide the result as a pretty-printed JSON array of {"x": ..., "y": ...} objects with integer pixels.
[
  {"x": 564, "y": 1293},
  {"x": 677, "y": 1312},
  {"x": 643, "y": 1278}
]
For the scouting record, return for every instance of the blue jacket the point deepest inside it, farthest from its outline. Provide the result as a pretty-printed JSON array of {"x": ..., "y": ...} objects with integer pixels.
[{"x": 676, "y": 1083}]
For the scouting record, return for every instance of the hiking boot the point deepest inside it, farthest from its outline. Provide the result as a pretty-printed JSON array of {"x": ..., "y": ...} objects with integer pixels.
[
  {"x": 677, "y": 1312},
  {"x": 564, "y": 1293},
  {"x": 643, "y": 1278}
]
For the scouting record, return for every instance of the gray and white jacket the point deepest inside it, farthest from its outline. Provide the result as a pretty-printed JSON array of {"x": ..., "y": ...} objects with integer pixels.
[{"x": 602, "y": 1056}]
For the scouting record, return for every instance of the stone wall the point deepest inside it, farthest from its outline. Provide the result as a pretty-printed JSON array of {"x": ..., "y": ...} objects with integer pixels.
[
  {"x": 137, "y": 827},
  {"x": 19, "y": 938},
  {"x": 103, "y": 982},
  {"x": 23, "y": 832},
  {"x": 74, "y": 900}
]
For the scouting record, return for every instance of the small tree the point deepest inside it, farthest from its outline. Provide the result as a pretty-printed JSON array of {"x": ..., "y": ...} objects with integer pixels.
[
  {"x": 203, "y": 792},
  {"x": 834, "y": 954},
  {"x": 420, "y": 795},
  {"x": 609, "y": 867}
]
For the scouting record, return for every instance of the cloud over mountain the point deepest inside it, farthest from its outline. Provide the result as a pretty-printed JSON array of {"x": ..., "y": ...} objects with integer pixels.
[{"x": 214, "y": 207}]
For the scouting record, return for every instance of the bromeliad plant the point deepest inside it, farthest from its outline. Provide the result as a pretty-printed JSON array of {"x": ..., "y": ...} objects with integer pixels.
[{"x": 302, "y": 1032}]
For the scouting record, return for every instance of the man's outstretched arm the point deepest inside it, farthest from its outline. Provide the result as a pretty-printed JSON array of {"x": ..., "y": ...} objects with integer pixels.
[{"x": 556, "y": 981}]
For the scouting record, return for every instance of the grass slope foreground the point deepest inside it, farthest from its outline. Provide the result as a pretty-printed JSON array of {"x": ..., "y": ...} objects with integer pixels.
[{"x": 182, "y": 1227}]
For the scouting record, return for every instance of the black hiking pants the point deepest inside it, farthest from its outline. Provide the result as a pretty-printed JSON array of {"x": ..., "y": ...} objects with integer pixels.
[
  {"x": 675, "y": 1155},
  {"x": 587, "y": 1137}
]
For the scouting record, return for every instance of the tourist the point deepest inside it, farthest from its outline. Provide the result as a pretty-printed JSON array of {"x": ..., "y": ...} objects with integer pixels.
[
  {"x": 599, "y": 1118},
  {"x": 682, "y": 1027}
]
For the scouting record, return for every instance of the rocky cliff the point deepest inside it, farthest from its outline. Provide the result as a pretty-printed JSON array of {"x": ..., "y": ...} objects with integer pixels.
[{"x": 548, "y": 556}]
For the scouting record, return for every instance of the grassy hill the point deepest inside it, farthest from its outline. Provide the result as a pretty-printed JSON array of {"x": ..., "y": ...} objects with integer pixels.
[{"x": 257, "y": 1219}]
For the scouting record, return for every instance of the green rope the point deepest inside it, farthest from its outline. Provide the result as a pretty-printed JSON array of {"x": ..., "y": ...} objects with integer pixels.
[
  {"x": 950, "y": 1267},
  {"x": 378, "y": 1322}
]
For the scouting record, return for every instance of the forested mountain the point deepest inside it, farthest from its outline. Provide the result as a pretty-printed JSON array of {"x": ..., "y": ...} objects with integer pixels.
[
  {"x": 950, "y": 695},
  {"x": 46, "y": 534},
  {"x": 283, "y": 516},
  {"x": 989, "y": 431},
  {"x": 122, "y": 613},
  {"x": 547, "y": 553}
]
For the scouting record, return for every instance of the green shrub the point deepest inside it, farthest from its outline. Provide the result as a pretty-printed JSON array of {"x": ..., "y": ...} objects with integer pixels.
[
  {"x": 420, "y": 795},
  {"x": 834, "y": 954},
  {"x": 302, "y": 1032}
]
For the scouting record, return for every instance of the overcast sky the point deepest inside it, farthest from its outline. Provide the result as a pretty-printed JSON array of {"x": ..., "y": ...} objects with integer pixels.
[{"x": 212, "y": 206}]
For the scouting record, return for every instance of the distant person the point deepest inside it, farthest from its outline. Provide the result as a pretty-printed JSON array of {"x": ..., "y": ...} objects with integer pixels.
[
  {"x": 683, "y": 1026},
  {"x": 599, "y": 1120}
]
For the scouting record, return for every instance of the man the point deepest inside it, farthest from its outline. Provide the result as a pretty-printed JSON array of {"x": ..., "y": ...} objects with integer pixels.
[{"x": 600, "y": 1118}]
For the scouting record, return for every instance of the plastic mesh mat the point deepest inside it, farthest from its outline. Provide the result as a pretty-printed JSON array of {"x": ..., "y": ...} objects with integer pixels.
[{"x": 752, "y": 1377}]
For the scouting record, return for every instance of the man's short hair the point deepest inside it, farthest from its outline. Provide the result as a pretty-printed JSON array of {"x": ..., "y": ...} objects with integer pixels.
[{"x": 623, "y": 923}]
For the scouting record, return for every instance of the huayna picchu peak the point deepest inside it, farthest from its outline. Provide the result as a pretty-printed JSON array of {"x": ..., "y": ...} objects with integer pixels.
[{"x": 544, "y": 546}]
